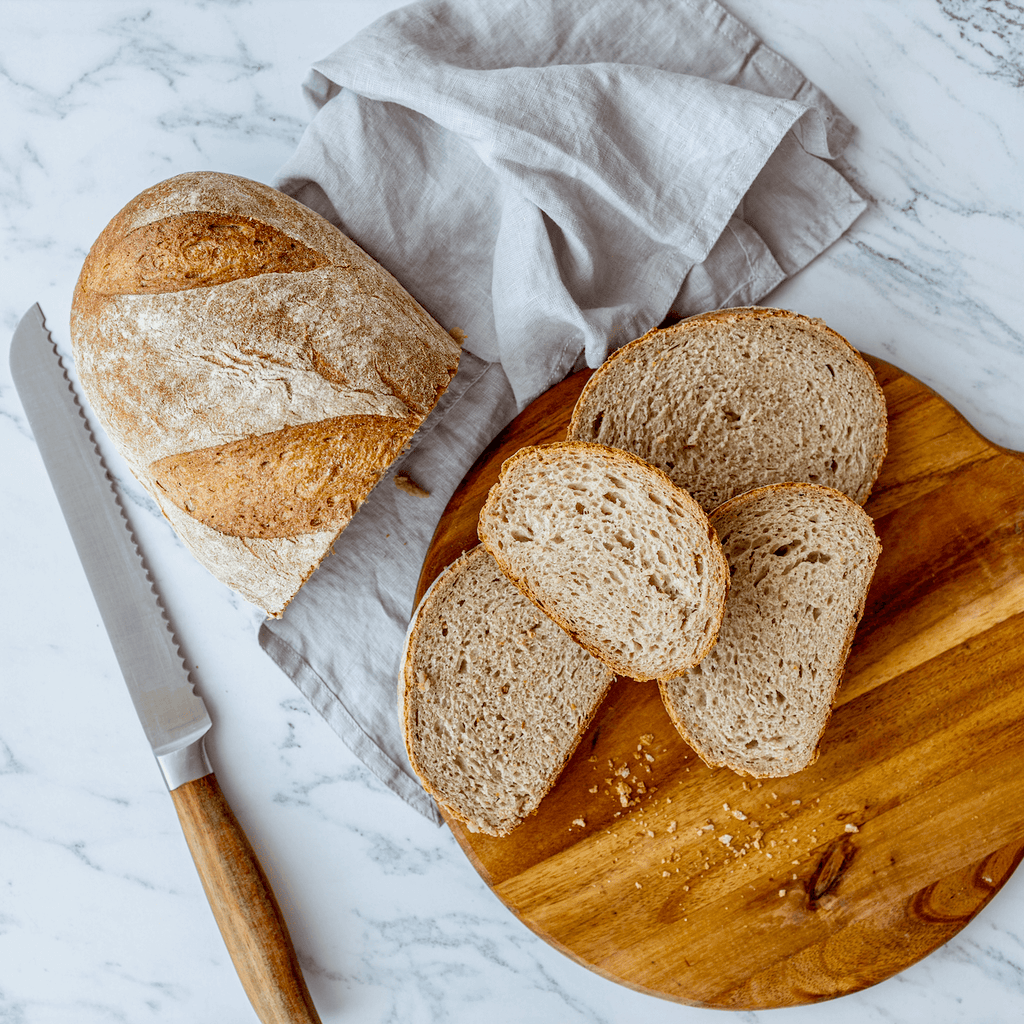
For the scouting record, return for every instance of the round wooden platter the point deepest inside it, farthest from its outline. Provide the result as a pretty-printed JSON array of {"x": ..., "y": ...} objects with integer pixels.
[{"x": 701, "y": 886}]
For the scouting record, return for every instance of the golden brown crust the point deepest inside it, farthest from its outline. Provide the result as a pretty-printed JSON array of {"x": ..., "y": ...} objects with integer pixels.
[
  {"x": 292, "y": 481},
  {"x": 214, "y": 315},
  {"x": 193, "y": 250}
]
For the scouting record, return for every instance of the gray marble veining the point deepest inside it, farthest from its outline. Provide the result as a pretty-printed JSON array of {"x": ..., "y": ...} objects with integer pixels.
[{"x": 101, "y": 914}]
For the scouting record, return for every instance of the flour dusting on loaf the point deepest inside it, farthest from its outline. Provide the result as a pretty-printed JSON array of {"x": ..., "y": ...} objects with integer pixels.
[{"x": 258, "y": 371}]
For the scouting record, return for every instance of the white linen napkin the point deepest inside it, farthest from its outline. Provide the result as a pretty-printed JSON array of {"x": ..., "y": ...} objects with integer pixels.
[{"x": 551, "y": 178}]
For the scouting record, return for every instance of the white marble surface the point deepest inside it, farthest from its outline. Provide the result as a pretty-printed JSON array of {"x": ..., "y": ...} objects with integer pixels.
[{"x": 101, "y": 913}]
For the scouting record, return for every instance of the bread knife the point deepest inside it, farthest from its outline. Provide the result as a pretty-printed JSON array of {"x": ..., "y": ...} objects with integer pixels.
[{"x": 173, "y": 716}]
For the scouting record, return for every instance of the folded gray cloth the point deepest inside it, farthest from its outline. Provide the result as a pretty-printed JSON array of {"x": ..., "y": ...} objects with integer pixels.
[{"x": 550, "y": 178}]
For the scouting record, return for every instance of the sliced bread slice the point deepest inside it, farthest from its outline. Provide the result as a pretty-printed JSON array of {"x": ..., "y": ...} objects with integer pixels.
[
  {"x": 613, "y": 551},
  {"x": 801, "y": 557},
  {"x": 493, "y": 696},
  {"x": 731, "y": 400}
]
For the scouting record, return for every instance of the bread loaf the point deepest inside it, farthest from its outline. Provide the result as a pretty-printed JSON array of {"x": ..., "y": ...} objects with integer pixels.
[
  {"x": 801, "y": 558},
  {"x": 493, "y": 696},
  {"x": 613, "y": 551},
  {"x": 258, "y": 371},
  {"x": 735, "y": 399}
]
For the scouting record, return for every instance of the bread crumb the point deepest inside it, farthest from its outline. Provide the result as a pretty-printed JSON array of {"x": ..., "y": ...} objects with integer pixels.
[
  {"x": 782, "y": 892},
  {"x": 404, "y": 482},
  {"x": 850, "y": 827},
  {"x": 666, "y": 874},
  {"x": 739, "y": 815},
  {"x": 672, "y": 826},
  {"x": 725, "y": 840},
  {"x": 581, "y": 822},
  {"x": 638, "y": 885},
  {"x": 458, "y": 335}
]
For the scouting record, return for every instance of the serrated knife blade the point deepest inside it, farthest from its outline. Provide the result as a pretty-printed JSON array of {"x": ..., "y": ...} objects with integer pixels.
[{"x": 173, "y": 716}]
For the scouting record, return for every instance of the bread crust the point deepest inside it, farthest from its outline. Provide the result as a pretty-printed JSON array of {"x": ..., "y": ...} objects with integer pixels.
[
  {"x": 715, "y": 564},
  {"x": 754, "y": 497},
  {"x": 616, "y": 378},
  {"x": 216, "y": 319},
  {"x": 418, "y": 633}
]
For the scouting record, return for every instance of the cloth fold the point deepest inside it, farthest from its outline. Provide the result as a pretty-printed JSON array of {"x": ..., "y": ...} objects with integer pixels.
[{"x": 551, "y": 178}]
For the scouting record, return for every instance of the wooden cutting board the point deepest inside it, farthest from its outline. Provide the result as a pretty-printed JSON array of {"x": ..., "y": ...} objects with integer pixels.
[{"x": 699, "y": 886}]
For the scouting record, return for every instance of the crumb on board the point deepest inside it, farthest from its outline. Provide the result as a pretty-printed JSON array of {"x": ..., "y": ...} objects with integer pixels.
[{"x": 850, "y": 827}]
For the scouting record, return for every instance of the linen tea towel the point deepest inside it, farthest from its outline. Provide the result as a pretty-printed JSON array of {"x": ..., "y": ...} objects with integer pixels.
[{"x": 549, "y": 178}]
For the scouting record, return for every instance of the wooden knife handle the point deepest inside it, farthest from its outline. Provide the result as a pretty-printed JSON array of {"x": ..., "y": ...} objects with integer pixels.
[{"x": 244, "y": 905}]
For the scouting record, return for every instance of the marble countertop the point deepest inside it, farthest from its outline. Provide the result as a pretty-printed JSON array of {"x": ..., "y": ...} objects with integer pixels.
[{"x": 102, "y": 917}]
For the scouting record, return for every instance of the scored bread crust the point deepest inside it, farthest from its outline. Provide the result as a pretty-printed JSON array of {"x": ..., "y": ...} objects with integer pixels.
[
  {"x": 692, "y": 723},
  {"x": 713, "y": 569},
  {"x": 424, "y": 659},
  {"x": 737, "y": 398},
  {"x": 228, "y": 338}
]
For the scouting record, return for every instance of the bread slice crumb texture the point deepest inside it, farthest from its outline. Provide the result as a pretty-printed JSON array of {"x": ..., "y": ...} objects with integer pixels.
[
  {"x": 801, "y": 558},
  {"x": 735, "y": 399},
  {"x": 613, "y": 551},
  {"x": 494, "y": 697}
]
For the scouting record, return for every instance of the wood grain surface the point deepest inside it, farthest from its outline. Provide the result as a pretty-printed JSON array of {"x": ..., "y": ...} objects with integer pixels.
[
  {"x": 700, "y": 886},
  {"x": 243, "y": 905}
]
